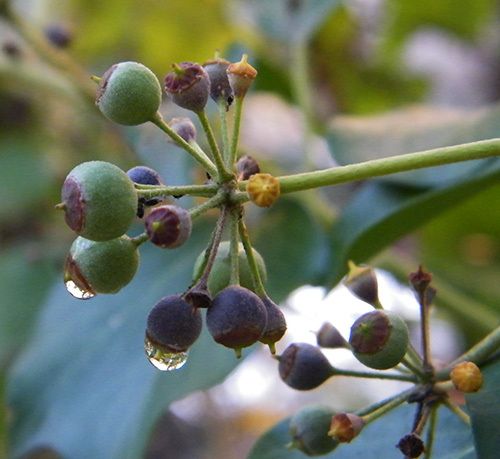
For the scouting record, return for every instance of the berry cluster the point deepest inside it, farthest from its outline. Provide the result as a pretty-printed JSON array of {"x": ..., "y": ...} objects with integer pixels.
[
  {"x": 380, "y": 340},
  {"x": 100, "y": 202}
]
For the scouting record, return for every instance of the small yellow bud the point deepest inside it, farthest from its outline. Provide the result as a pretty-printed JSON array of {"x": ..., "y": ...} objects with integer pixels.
[
  {"x": 467, "y": 377},
  {"x": 263, "y": 189}
]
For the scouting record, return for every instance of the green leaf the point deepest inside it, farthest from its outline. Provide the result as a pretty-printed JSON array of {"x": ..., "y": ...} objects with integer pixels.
[
  {"x": 293, "y": 246},
  {"x": 289, "y": 20},
  {"x": 84, "y": 387},
  {"x": 23, "y": 285},
  {"x": 453, "y": 439},
  {"x": 484, "y": 409},
  {"x": 380, "y": 213}
]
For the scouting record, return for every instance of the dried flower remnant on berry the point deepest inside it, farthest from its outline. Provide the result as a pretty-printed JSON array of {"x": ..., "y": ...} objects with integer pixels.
[
  {"x": 411, "y": 445},
  {"x": 345, "y": 427}
]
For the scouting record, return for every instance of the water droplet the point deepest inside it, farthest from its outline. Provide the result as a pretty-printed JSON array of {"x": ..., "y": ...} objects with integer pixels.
[
  {"x": 164, "y": 360},
  {"x": 78, "y": 292}
]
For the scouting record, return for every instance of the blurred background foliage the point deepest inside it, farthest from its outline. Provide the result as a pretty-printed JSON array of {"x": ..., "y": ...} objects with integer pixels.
[{"x": 339, "y": 82}]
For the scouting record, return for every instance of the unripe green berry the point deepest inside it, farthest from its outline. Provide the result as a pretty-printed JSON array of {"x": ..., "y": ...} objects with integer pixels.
[
  {"x": 221, "y": 269},
  {"x": 173, "y": 325},
  {"x": 303, "y": 366},
  {"x": 309, "y": 430},
  {"x": 99, "y": 200},
  {"x": 379, "y": 339},
  {"x": 101, "y": 267},
  {"x": 236, "y": 318},
  {"x": 129, "y": 93}
]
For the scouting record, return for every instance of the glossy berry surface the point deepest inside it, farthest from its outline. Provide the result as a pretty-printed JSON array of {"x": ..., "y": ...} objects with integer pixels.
[
  {"x": 168, "y": 226},
  {"x": 173, "y": 324},
  {"x": 237, "y": 317},
  {"x": 144, "y": 175},
  {"x": 221, "y": 270},
  {"x": 129, "y": 93},
  {"x": 101, "y": 267},
  {"x": 99, "y": 200},
  {"x": 220, "y": 90},
  {"x": 379, "y": 339},
  {"x": 276, "y": 324},
  {"x": 309, "y": 430},
  {"x": 303, "y": 366}
]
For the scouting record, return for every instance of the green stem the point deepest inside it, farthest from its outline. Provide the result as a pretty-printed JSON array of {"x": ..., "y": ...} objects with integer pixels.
[
  {"x": 429, "y": 443},
  {"x": 252, "y": 262},
  {"x": 238, "y": 106},
  {"x": 378, "y": 409},
  {"x": 223, "y": 174},
  {"x": 150, "y": 191},
  {"x": 234, "y": 247},
  {"x": 222, "y": 106},
  {"x": 158, "y": 121},
  {"x": 477, "y": 354},
  {"x": 413, "y": 368},
  {"x": 140, "y": 239},
  {"x": 458, "y": 411},
  {"x": 371, "y": 375},
  {"x": 200, "y": 151},
  {"x": 387, "y": 166},
  {"x": 214, "y": 201}
]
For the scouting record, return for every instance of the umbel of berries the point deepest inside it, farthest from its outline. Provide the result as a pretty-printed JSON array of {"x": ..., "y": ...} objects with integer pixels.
[
  {"x": 303, "y": 366},
  {"x": 173, "y": 325},
  {"x": 129, "y": 93},
  {"x": 100, "y": 267},
  {"x": 379, "y": 339},
  {"x": 168, "y": 226},
  {"x": 221, "y": 269},
  {"x": 99, "y": 200},
  {"x": 188, "y": 86},
  {"x": 236, "y": 318},
  {"x": 309, "y": 430}
]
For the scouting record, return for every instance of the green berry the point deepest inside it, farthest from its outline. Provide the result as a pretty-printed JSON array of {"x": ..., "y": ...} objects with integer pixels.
[
  {"x": 129, "y": 93},
  {"x": 101, "y": 267},
  {"x": 99, "y": 200},
  {"x": 379, "y": 339},
  {"x": 309, "y": 430},
  {"x": 221, "y": 270}
]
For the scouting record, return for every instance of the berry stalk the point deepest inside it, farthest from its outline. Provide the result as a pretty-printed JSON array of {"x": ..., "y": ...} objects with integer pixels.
[
  {"x": 234, "y": 247},
  {"x": 222, "y": 106},
  {"x": 214, "y": 201},
  {"x": 252, "y": 262},
  {"x": 372, "y": 412},
  {"x": 461, "y": 414},
  {"x": 151, "y": 191},
  {"x": 238, "y": 107},
  {"x": 371, "y": 375}
]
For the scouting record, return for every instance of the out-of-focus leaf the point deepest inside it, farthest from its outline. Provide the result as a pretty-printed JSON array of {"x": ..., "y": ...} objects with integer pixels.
[
  {"x": 25, "y": 176},
  {"x": 453, "y": 439},
  {"x": 288, "y": 20},
  {"x": 84, "y": 387},
  {"x": 23, "y": 285},
  {"x": 380, "y": 213},
  {"x": 293, "y": 245},
  {"x": 357, "y": 139},
  {"x": 484, "y": 409}
]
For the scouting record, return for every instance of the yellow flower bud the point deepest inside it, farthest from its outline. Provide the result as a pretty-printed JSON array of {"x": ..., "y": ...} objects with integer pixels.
[
  {"x": 467, "y": 377},
  {"x": 263, "y": 189}
]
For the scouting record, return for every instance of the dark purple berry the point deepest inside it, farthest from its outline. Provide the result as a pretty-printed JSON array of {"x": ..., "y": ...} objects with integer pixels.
[
  {"x": 144, "y": 175},
  {"x": 173, "y": 324},
  {"x": 329, "y": 337},
  {"x": 220, "y": 90},
  {"x": 183, "y": 127},
  {"x": 276, "y": 324},
  {"x": 168, "y": 226},
  {"x": 59, "y": 35},
  {"x": 303, "y": 366},
  {"x": 188, "y": 86},
  {"x": 237, "y": 317},
  {"x": 246, "y": 167}
]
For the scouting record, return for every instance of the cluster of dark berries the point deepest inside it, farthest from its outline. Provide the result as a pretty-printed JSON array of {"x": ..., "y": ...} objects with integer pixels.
[{"x": 100, "y": 202}]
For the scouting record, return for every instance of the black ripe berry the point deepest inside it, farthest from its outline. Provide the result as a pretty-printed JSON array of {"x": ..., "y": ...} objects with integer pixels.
[
  {"x": 411, "y": 445},
  {"x": 59, "y": 35},
  {"x": 173, "y": 325},
  {"x": 303, "y": 366},
  {"x": 168, "y": 226},
  {"x": 144, "y": 175},
  {"x": 309, "y": 430},
  {"x": 237, "y": 317},
  {"x": 276, "y": 324},
  {"x": 220, "y": 90}
]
